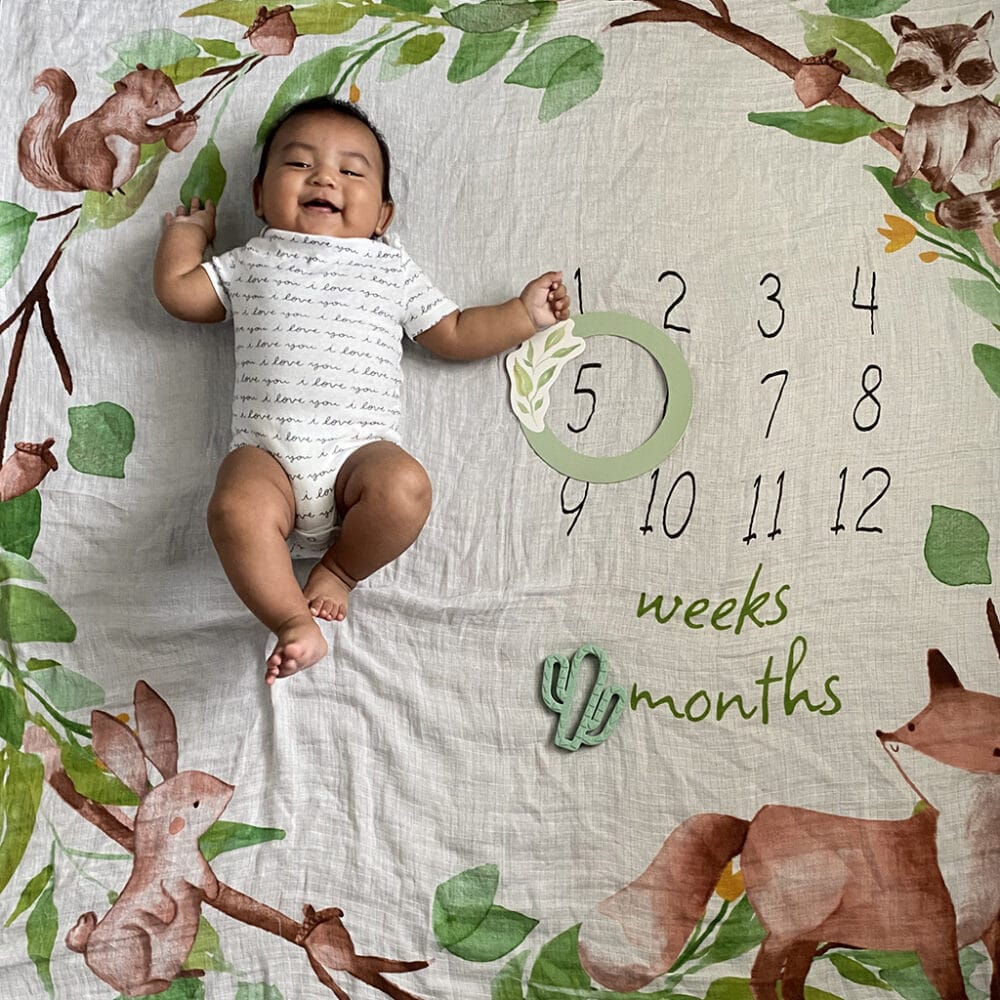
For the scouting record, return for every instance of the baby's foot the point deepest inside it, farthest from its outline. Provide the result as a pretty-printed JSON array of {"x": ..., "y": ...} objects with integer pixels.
[
  {"x": 326, "y": 593},
  {"x": 300, "y": 644}
]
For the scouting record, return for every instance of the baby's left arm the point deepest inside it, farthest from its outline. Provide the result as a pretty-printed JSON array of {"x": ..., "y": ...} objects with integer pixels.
[{"x": 483, "y": 331}]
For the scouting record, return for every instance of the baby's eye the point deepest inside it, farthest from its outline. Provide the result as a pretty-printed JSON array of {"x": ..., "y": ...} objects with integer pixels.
[
  {"x": 297, "y": 163},
  {"x": 350, "y": 173}
]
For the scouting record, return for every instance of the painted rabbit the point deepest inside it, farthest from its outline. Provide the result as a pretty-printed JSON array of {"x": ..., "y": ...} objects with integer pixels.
[{"x": 142, "y": 942}]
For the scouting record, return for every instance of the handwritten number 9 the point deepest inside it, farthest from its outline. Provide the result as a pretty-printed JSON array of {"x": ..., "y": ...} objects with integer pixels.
[{"x": 578, "y": 509}]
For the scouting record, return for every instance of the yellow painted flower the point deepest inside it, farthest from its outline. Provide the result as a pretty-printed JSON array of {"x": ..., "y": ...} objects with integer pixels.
[
  {"x": 355, "y": 94},
  {"x": 932, "y": 219},
  {"x": 122, "y": 717},
  {"x": 730, "y": 884},
  {"x": 929, "y": 256},
  {"x": 899, "y": 234}
]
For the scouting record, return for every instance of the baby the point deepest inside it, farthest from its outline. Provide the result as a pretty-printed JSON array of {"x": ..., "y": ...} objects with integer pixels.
[{"x": 319, "y": 303}]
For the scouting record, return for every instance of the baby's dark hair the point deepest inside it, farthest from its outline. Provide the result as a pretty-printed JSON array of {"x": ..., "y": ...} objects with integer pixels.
[{"x": 332, "y": 104}]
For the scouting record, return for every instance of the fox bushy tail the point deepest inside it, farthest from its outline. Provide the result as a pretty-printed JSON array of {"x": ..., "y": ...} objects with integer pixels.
[{"x": 635, "y": 936}]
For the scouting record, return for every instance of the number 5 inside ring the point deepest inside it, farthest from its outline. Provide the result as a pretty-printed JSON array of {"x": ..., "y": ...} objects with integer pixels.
[{"x": 652, "y": 452}]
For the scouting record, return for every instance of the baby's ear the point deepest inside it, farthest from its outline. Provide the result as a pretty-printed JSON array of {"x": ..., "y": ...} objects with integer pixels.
[
  {"x": 255, "y": 192},
  {"x": 385, "y": 217}
]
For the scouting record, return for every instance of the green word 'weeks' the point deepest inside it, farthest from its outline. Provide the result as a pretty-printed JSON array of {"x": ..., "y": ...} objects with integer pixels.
[{"x": 751, "y": 610}]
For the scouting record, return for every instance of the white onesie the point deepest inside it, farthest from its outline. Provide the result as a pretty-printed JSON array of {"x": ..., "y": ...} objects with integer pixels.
[{"x": 318, "y": 324}]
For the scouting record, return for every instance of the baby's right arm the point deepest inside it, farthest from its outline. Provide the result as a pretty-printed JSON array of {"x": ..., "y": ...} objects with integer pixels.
[{"x": 180, "y": 282}]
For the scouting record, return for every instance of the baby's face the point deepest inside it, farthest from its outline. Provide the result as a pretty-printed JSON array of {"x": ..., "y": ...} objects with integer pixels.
[{"x": 323, "y": 177}]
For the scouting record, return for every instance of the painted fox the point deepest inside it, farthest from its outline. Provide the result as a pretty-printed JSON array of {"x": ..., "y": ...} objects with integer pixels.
[{"x": 929, "y": 883}]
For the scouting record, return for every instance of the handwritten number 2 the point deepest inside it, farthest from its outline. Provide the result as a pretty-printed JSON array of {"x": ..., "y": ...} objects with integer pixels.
[{"x": 667, "y": 325}]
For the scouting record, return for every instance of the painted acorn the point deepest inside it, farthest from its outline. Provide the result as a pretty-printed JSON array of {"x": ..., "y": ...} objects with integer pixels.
[
  {"x": 26, "y": 467},
  {"x": 819, "y": 77},
  {"x": 181, "y": 132},
  {"x": 273, "y": 32}
]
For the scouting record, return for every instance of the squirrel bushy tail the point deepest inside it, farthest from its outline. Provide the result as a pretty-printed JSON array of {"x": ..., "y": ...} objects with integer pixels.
[{"x": 36, "y": 148}]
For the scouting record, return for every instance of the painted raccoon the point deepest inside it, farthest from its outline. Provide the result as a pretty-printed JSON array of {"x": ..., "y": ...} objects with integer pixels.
[{"x": 953, "y": 131}]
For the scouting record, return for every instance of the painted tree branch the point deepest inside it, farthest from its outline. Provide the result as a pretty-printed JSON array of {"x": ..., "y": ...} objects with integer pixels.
[
  {"x": 678, "y": 11},
  {"x": 322, "y": 934}
]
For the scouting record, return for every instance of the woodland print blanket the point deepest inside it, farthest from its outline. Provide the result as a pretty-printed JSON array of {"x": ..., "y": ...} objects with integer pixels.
[{"x": 690, "y": 687}]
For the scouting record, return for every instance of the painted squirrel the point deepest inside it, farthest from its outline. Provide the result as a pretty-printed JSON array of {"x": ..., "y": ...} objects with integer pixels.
[{"x": 99, "y": 152}]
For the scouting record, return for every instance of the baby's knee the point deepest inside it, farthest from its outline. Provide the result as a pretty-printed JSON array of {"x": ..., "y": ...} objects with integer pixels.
[{"x": 409, "y": 490}]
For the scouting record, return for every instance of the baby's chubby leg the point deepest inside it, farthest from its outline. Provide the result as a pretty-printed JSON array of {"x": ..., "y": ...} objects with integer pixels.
[
  {"x": 384, "y": 497},
  {"x": 251, "y": 513}
]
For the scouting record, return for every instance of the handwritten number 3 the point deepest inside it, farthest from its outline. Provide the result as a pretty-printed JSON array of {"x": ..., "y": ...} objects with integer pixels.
[{"x": 773, "y": 297}]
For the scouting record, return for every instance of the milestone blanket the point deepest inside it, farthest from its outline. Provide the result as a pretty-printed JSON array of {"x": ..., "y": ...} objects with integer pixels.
[{"x": 690, "y": 687}]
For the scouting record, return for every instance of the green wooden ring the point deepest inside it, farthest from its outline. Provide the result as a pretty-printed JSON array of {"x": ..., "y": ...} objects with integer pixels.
[{"x": 652, "y": 452}]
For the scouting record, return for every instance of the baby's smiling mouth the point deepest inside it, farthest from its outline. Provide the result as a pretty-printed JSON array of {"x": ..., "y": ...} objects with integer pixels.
[{"x": 321, "y": 205}]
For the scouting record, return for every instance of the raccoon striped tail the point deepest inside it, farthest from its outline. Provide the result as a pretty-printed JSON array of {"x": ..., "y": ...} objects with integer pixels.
[
  {"x": 970, "y": 211},
  {"x": 635, "y": 936}
]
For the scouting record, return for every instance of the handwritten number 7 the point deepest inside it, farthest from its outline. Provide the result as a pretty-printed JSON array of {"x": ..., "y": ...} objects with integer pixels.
[{"x": 783, "y": 372}]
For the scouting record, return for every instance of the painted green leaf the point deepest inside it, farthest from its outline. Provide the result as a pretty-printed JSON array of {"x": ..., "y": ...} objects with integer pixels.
[
  {"x": 328, "y": 18},
  {"x": 206, "y": 952},
  {"x": 223, "y": 836},
  {"x": 739, "y": 933},
  {"x": 508, "y": 984},
  {"x": 911, "y": 983},
  {"x": 41, "y": 929},
  {"x": 21, "y": 778},
  {"x": 500, "y": 932},
  {"x": 12, "y": 713},
  {"x": 257, "y": 991},
  {"x": 30, "y": 893},
  {"x": 522, "y": 379},
  {"x": 92, "y": 781},
  {"x": 101, "y": 439},
  {"x": 570, "y": 70},
  {"x": 554, "y": 337},
  {"x": 987, "y": 360},
  {"x": 864, "y": 8},
  {"x": 462, "y": 903},
  {"x": 105, "y": 211},
  {"x": 34, "y": 664},
  {"x": 822, "y": 124},
  {"x": 20, "y": 523},
  {"x": 15, "y": 223},
  {"x": 180, "y": 989},
  {"x": 189, "y": 69},
  {"x": 855, "y": 972},
  {"x": 547, "y": 376},
  {"x": 492, "y": 15},
  {"x": 883, "y": 960},
  {"x": 32, "y": 616},
  {"x": 389, "y": 67},
  {"x": 556, "y": 972},
  {"x": 155, "y": 48},
  {"x": 220, "y": 47},
  {"x": 413, "y": 6},
  {"x": 859, "y": 45},
  {"x": 207, "y": 177},
  {"x": 420, "y": 48},
  {"x": 956, "y": 548},
  {"x": 16, "y": 567},
  {"x": 241, "y": 11},
  {"x": 67, "y": 689},
  {"x": 982, "y": 297},
  {"x": 732, "y": 988},
  {"x": 312, "y": 78}
]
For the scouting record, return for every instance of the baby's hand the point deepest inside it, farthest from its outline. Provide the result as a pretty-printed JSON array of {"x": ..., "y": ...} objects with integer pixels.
[
  {"x": 197, "y": 216},
  {"x": 546, "y": 299}
]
